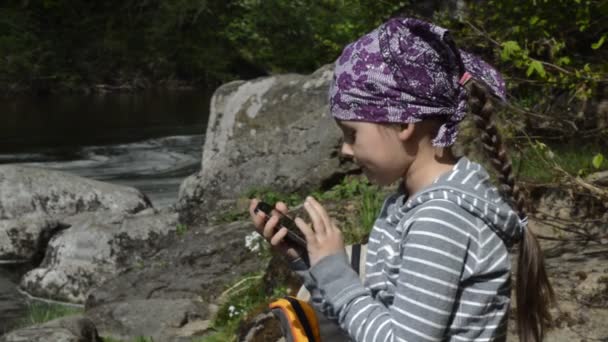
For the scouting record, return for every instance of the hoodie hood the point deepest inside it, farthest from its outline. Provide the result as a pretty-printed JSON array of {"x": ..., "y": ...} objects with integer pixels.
[{"x": 469, "y": 186}]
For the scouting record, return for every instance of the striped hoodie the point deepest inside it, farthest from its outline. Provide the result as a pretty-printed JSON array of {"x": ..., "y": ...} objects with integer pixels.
[{"x": 437, "y": 268}]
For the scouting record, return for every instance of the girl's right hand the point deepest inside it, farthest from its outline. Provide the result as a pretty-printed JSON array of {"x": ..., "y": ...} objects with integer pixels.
[{"x": 267, "y": 227}]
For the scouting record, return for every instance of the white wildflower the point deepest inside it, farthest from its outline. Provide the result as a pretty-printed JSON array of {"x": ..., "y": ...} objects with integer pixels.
[
  {"x": 253, "y": 242},
  {"x": 233, "y": 312}
]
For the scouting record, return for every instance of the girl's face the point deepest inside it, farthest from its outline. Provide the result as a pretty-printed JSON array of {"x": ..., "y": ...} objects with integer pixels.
[{"x": 378, "y": 149}]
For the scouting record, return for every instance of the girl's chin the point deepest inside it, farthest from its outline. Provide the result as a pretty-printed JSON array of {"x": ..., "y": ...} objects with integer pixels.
[{"x": 371, "y": 178}]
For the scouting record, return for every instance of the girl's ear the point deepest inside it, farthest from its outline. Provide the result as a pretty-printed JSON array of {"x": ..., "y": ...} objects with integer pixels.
[{"x": 406, "y": 131}]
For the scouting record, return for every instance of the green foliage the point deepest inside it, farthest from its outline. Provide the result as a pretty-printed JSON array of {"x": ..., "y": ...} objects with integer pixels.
[
  {"x": 558, "y": 43},
  {"x": 349, "y": 188},
  {"x": 270, "y": 196},
  {"x": 287, "y": 35},
  {"x": 576, "y": 160},
  {"x": 366, "y": 200},
  {"x": 598, "y": 161},
  {"x": 40, "y": 312},
  {"x": 181, "y": 229}
]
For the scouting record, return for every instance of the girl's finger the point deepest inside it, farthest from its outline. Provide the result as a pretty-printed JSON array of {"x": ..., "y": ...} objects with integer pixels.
[
  {"x": 317, "y": 222},
  {"x": 305, "y": 228},
  {"x": 282, "y": 208},
  {"x": 259, "y": 218},
  {"x": 321, "y": 211},
  {"x": 278, "y": 237},
  {"x": 270, "y": 227},
  {"x": 252, "y": 204}
]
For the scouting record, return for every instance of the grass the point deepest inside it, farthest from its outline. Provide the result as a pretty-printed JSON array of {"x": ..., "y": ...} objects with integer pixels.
[
  {"x": 40, "y": 312},
  {"x": 361, "y": 202}
]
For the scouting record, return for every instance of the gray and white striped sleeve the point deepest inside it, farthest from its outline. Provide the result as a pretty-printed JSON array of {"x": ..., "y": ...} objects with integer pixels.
[
  {"x": 316, "y": 297},
  {"x": 433, "y": 259}
]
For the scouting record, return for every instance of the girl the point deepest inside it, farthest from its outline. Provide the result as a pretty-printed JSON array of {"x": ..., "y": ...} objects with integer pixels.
[{"x": 438, "y": 266}]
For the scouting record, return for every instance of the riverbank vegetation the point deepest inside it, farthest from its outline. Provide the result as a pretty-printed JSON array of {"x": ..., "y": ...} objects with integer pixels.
[{"x": 41, "y": 312}]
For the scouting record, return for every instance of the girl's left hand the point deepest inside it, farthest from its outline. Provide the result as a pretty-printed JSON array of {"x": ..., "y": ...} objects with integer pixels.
[{"x": 326, "y": 239}]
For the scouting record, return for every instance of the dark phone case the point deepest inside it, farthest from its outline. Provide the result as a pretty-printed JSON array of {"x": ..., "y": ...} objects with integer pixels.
[
  {"x": 297, "y": 242},
  {"x": 292, "y": 229}
]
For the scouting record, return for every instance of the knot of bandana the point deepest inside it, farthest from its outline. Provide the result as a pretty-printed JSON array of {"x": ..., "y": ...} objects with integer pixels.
[{"x": 403, "y": 72}]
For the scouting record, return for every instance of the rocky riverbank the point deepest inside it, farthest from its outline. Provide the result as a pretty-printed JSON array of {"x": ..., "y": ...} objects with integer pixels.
[{"x": 140, "y": 271}]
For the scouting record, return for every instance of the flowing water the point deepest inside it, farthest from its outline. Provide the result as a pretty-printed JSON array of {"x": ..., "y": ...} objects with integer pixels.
[{"x": 150, "y": 141}]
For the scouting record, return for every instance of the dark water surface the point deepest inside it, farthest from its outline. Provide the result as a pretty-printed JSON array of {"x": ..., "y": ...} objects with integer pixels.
[{"x": 150, "y": 141}]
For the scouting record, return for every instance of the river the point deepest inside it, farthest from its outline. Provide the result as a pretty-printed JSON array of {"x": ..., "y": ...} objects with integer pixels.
[{"x": 150, "y": 141}]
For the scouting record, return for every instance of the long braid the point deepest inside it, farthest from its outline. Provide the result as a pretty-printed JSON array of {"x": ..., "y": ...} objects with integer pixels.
[
  {"x": 483, "y": 109},
  {"x": 533, "y": 290}
]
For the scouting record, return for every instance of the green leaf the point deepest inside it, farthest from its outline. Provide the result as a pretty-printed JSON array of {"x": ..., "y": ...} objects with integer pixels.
[
  {"x": 597, "y": 161},
  {"x": 564, "y": 61},
  {"x": 599, "y": 43},
  {"x": 587, "y": 68},
  {"x": 536, "y": 66},
  {"x": 509, "y": 48},
  {"x": 534, "y": 20}
]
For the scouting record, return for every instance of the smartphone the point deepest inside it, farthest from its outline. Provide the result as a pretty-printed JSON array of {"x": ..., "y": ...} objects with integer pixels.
[{"x": 293, "y": 235}]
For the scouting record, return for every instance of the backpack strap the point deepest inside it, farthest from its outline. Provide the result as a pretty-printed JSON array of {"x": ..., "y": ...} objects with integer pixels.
[
  {"x": 355, "y": 257},
  {"x": 295, "y": 304},
  {"x": 299, "y": 317}
]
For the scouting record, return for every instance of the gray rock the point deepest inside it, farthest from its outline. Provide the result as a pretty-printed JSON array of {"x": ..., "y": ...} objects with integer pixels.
[
  {"x": 24, "y": 238},
  {"x": 272, "y": 132},
  {"x": 68, "y": 329},
  {"x": 159, "y": 319},
  {"x": 34, "y": 201},
  {"x": 25, "y": 190},
  {"x": 95, "y": 248},
  {"x": 179, "y": 288}
]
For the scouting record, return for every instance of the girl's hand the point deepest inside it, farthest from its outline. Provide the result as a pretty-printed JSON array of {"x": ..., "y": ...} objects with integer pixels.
[
  {"x": 326, "y": 239},
  {"x": 267, "y": 227}
]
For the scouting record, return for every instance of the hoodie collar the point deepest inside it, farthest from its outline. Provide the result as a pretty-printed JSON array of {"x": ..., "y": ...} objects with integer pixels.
[{"x": 468, "y": 185}]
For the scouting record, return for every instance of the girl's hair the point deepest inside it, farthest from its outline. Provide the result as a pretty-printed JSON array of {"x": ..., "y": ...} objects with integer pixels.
[{"x": 533, "y": 290}]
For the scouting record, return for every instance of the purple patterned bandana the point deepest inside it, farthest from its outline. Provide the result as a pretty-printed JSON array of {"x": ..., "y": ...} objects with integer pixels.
[{"x": 403, "y": 72}]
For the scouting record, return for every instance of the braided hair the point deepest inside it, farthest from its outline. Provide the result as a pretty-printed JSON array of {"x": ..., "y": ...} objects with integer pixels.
[{"x": 534, "y": 293}]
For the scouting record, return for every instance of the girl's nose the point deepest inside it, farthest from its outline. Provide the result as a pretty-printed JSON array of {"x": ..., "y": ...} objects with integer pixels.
[{"x": 346, "y": 150}]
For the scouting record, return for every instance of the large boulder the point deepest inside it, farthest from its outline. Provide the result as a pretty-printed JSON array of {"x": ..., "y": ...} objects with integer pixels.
[
  {"x": 272, "y": 132},
  {"x": 26, "y": 190},
  {"x": 34, "y": 201},
  {"x": 177, "y": 291},
  {"x": 96, "y": 247}
]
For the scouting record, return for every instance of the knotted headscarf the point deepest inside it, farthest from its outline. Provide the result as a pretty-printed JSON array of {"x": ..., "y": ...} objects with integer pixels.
[{"x": 404, "y": 71}]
